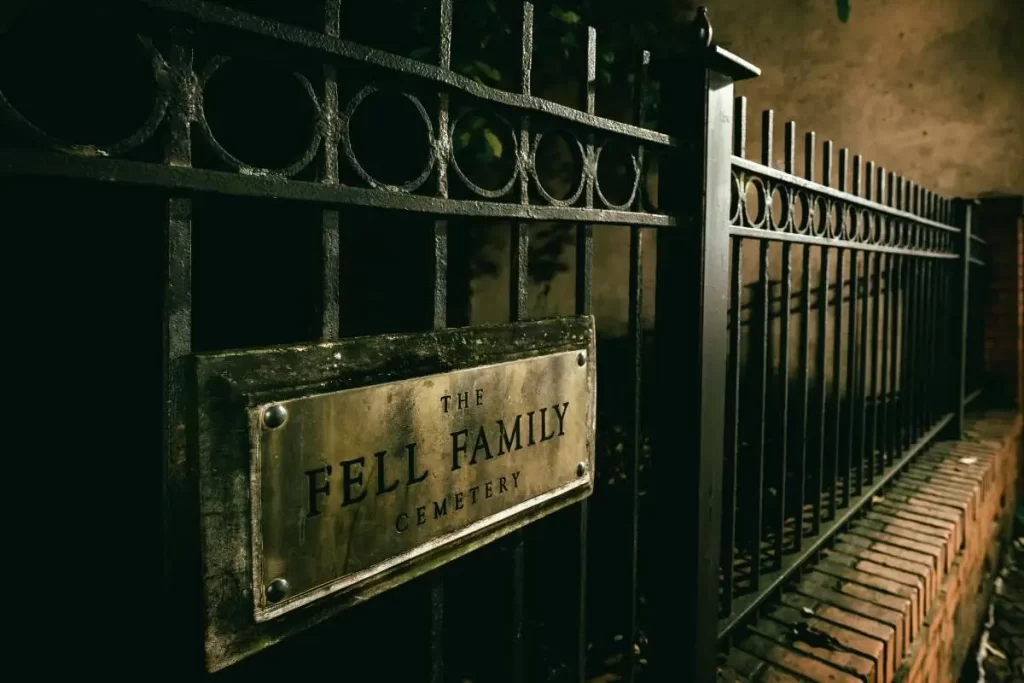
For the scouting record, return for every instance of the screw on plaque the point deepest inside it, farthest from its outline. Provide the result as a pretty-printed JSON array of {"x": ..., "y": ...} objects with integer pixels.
[
  {"x": 581, "y": 359},
  {"x": 278, "y": 590},
  {"x": 581, "y": 469},
  {"x": 275, "y": 416}
]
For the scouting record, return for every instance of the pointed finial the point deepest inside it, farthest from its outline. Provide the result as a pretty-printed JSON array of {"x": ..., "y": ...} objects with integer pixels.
[{"x": 702, "y": 27}]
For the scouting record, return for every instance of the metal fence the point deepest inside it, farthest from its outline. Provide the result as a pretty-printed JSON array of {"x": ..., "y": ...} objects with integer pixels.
[
  {"x": 769, "y": 404},
  {"x": 854, "y": 365}
]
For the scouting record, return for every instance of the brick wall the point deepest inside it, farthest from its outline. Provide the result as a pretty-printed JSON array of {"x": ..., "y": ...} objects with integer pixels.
[
  {"x": 900, "y": 594},
  {"x": 1001, "y": 223}
]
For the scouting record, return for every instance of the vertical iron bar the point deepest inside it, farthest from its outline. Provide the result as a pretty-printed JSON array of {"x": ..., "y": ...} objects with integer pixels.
[
  {"x": 906, "y": 351},
  {"x": 179, "y": 556},
  {"x": 755, "y": 523},
  {"x": 439, "y": 293},
  {"x": 851, "y": 355},
  {"x": 888, "y": 324},
  {"x": 692, "y": 319},
  {"x": 837, "y": 341},
  {"x": 898, "y": 361},
  {"x": 868, "y": 349},
  {"x": 865, "y": 468},
  {"x": 844, "y": 163},
  {"x": 916, "y": 311},
  {"x": 820, "y": 393},
  {"x": 330, "y": 223},
  {"x": 914, "y": 359},
  {"x": 584, "y": 306},
  {"x": 519, "y": 250},
  {"x": 964, "y": 212},
  {"x": 877, "y": 345},
  {"x": 800, "y": 480},
  {"x": 634, "y": 427},
  {"x": 732, "y": 441},
  {"x": 767, "y": 153}
]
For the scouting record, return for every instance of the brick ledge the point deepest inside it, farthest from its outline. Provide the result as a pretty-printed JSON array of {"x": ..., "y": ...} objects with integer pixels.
[{"x": 902, "y": 590}]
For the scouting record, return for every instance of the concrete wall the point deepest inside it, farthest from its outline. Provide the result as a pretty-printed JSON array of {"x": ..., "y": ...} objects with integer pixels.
[{"x": 930, "y": 89}]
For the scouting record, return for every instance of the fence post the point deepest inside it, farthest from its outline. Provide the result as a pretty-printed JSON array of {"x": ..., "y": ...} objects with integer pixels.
[
  {"x": 1002, "y": 219},
  {"x": 964, "y": 219},
  {"x": 691, "y": 340}
]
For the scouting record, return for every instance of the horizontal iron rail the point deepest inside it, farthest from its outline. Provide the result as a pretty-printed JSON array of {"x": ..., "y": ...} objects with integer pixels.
[
  {"x": 745, "y": 606},
  {"x": 975, "y": 261},
  {"x": 972, "y": 397},
  {"x": 979, "y": 240},
  {"x": 208, "y": 13},
  {"x": 818, "y": 240},
  {"x": 50, "y": 164},
  {"x": 811, "y": 186}
]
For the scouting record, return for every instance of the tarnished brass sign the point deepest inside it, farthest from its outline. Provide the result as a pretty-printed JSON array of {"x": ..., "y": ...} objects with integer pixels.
[
  {"x": 347, "y": 484},
  {"x": 330, "y": 472}
]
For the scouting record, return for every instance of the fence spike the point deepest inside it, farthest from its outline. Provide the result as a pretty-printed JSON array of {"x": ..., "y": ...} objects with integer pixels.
[
  {"x": 869, "y": 177},
  {"x": 857, "y": 167},
  {"x": 789, "y": 158},
  {"x": 767, "y": 137},
  {"x": 739, "y": 127},
  {"x": 880, "y": 186},
  {"x": 826, "y": 163},
  {"x": 809, "y": 155},
  {"x": 844, "y": 169}
]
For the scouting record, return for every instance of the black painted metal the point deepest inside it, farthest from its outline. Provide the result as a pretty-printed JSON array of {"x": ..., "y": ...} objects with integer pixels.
[
  {"x": 866, "y": 410},
  {"x": 810, "y": 434}
]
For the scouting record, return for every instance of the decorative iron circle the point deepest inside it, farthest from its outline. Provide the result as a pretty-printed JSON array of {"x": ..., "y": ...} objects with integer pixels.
[
  {"x": 735, "y": 204},
  {"x": 875, "y": 226},
  {"x": 624, "y": 206},
  {"x": 473, "y": 187},
  {"x": 644, "y": 192},
  {"x": 761, "y": 194},
  {"x": 834, "y": 210},
  {"x": 849, "y": 227},
  {"x": 821, "y": 216},
  {"x": 786, "y": 203},
  {"x": 902, "y": 234},
  {"x": 214, "y": 65},
  {"x": 148, "y": 128},
  {"x": 863, "y": 234},
  {"x": 802, "y": 198},
  {"x": 885, "y": 235},
  {"x": 346, "y": 142},
  {"x": 576, "y": 149}
]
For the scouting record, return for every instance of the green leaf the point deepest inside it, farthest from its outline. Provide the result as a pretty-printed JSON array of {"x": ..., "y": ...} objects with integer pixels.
[
  {"x": 567, "y": 17},
  {"x": 494, "y": 143},
  {"x": 487, "y": 70}
]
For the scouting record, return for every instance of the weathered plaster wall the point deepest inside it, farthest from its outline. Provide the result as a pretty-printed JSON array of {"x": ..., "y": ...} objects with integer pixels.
[{"x": 930, "y": 89}]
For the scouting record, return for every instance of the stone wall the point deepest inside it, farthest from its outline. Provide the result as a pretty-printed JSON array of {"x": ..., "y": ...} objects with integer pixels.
[{"x": 930, "y": 89}]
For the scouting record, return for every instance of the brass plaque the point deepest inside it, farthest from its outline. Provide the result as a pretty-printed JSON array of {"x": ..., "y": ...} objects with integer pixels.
[{"x": 351, "y": 485}]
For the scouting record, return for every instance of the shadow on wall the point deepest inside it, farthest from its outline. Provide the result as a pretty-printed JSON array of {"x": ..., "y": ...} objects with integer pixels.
[{"x": 932, "y": 92}]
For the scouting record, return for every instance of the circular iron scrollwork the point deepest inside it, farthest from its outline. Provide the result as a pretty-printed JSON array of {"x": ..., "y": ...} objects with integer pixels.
[
  {"x": 473, "y": 187},
  {"x": 579, "y": 156},
  {"x": 215, "y": 64},
  {"x": 350, "y": 154},
  {"x": 634, "y": 164},
  {"x": 143, "y": 133}
]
